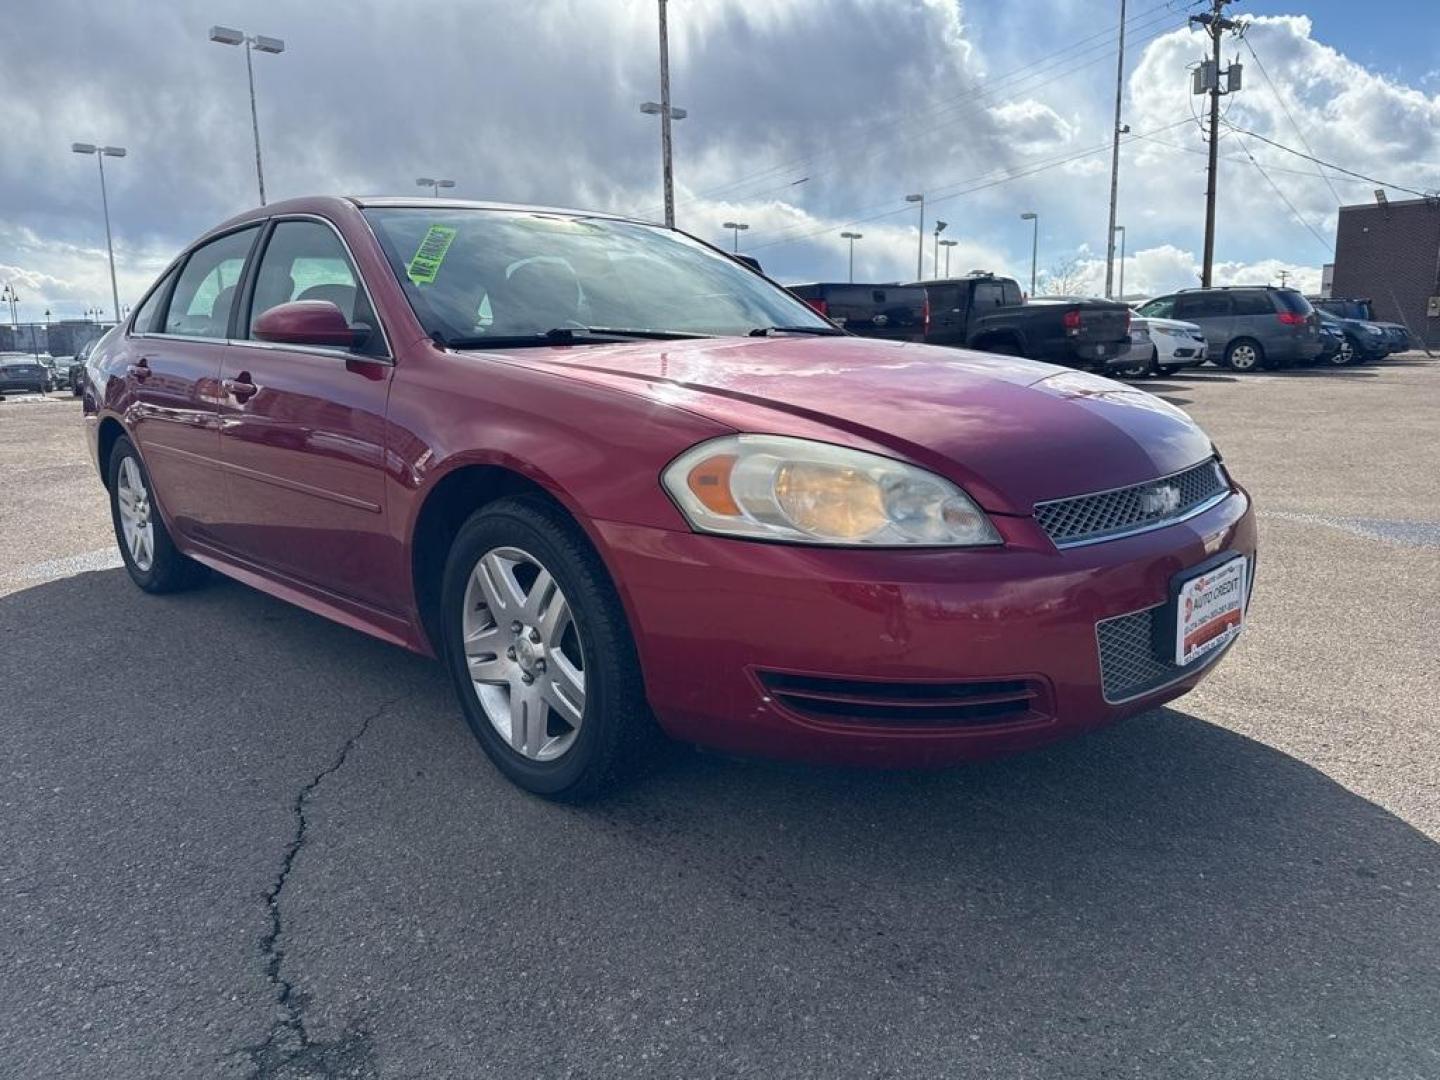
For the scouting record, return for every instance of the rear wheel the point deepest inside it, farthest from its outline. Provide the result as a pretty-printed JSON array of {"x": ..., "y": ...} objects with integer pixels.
[
  {"x": 541, "y": 654},
  {"x": 1243, "y": 354},
  {"x": 151, "y": 558}
]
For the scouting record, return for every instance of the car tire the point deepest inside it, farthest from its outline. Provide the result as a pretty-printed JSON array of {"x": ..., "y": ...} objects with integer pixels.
[
  {"x": 151, "y": 557},
  {"x": 1244, "y": 354},
  {"x": 496, "y": 607},
  {"x": 1345, "y": 355},
  {"x": 1168, "y": 370}
]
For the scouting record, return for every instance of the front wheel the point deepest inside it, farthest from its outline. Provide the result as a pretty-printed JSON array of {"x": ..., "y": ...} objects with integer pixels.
[
  {"x": 1345, "y": 355},
  {"x": 540, "y": 652},
  {"x": 151, "y": 558}
]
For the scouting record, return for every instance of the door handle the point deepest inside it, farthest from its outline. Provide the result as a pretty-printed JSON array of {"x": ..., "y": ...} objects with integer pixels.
[
  {"x": 139, "y": 371},
  {"x": 240, "y": 387}
]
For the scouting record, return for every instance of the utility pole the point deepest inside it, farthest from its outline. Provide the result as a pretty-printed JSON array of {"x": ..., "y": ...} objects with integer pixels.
[
  {"x": 1207, "y": 81},
  {"x": 663, "y": 109},
  {"x": 1115, "y": 158},
  {"x": 1284, "y": 276}
]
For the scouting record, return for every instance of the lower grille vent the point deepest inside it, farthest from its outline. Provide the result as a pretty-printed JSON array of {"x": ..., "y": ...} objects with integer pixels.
[{"x": 908, "y": 704}]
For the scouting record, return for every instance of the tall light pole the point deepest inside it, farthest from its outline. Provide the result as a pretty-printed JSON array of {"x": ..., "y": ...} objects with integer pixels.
[
  {"x": 10, "y": 297},
  {"x": 435, "y": 185},
  {"x": 1034, "y": 219},
  {"x": 736, "y": 228},
  {"x": 940, "y": 227},
  {"x": 101, "y": 153},
  {"x": 228, "y": 35},
  {"x": 667, "y": 113},
  {"x": 852, "y": 237},
  {"x": 1121, "y": 230},
  {"x": 947, "y": 245},
  {"x": 920, "y": 248},
  {"x": 1115, "y": 156}
]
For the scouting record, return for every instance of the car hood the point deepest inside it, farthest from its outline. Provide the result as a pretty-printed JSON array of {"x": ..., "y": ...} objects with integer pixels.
[
  {"x": 1013, "y": 432},
  {"x": 1170, "y": 325}
]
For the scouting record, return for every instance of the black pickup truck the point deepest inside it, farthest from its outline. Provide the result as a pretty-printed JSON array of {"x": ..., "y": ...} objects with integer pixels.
[
  {"x": 989, "y": 313},
  {"x": 894, "y": 312}
]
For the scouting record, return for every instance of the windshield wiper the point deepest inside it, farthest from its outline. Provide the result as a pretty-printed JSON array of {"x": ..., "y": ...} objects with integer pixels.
[
  {"x": 818, "y": 331},
  {"x": 561, "y": 335}
]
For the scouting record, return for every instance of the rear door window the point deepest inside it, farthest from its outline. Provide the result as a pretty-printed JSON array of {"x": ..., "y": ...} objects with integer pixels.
[
  {"x": 1202, "y": 305},
  {"x": 147, "y": 317},
  {"x": 205, "y": 291},
  {"x": 988, "y": 296},
  {"x": 1253, "y": 302}
]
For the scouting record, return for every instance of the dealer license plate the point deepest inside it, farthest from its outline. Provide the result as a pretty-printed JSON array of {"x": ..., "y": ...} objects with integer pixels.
[{"x": 1210, "y": 611}]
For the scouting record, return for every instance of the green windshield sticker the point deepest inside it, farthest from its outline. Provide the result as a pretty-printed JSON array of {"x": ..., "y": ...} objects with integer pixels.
[{"x": 431, "y": 253}]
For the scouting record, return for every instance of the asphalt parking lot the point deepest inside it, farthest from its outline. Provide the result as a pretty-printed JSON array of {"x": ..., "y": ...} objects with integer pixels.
[{"x": 241, "y": 841}]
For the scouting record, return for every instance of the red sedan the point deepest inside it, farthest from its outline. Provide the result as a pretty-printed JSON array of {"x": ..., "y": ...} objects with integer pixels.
[{"x": 613, "y": 477}]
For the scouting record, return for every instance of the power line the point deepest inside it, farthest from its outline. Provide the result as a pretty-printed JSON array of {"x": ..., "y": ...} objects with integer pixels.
[
  {"x": 977, "y": 183},
  {"x": 991, "y": 92},
  {"x": 1331, "y": 164},
  {"x": 1276, "y": 187},
  {"x": 1306, "y": 173},
  {"x": 992, "y": 89},
  {"x": 1286, "y": 110}
]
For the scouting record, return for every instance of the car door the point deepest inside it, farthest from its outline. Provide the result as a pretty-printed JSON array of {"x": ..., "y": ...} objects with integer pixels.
[
  {"x": 947, "y": 314},
  {"x": 1209, "y": 310},
  {"x": 302, "y": 428},
  {"x": 172, "y": 377}
]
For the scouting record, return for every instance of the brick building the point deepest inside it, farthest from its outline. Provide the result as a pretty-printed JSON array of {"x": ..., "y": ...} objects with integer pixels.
[{"x": 1390, "y": 253}]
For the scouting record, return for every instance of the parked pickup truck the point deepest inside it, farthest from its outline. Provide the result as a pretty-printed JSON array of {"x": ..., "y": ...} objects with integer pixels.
[
  {"x": 990, "y": 313},
  {"x": 896, "y": 312}
]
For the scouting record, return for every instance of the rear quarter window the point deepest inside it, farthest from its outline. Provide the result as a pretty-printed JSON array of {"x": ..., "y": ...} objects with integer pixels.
[{"x": 1291, "y": 300}]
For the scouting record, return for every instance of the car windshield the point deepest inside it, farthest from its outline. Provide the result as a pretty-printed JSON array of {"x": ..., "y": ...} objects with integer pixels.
[{"x": 482, "y": 277}]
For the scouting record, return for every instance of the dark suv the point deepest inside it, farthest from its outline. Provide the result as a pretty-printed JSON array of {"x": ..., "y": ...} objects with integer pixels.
[{"x": 1247, "y": 326}]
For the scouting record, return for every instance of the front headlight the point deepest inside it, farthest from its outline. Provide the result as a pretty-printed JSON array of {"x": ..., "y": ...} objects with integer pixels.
[
  {"x": 773, "y": 487},
  {"x": 1374, "y": 331}
]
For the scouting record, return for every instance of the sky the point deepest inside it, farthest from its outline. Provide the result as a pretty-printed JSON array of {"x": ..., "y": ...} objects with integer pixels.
[{"x": 805, "y": 119}]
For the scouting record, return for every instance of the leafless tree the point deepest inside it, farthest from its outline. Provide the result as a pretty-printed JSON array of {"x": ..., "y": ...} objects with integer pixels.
[{"x": 1063, "y": 278}]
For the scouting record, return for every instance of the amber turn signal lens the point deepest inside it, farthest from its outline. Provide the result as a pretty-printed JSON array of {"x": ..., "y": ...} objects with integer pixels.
[{"x": 710, "y": 481}]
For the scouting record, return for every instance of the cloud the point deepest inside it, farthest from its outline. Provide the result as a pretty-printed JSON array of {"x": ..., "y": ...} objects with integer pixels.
[
  {"x": 863, "y": 100},
  {"x": 1165, "y": 268}
]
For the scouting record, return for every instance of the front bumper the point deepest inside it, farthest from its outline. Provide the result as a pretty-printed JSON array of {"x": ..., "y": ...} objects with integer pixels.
[{"x": 720, "y": 623}]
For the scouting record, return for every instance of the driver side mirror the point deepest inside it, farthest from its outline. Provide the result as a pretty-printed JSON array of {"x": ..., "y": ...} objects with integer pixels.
[{"x": 307, "y": 322}]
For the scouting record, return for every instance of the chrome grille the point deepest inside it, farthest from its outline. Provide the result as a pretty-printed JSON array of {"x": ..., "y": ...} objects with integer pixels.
[{"x": 1107, "y": 515}]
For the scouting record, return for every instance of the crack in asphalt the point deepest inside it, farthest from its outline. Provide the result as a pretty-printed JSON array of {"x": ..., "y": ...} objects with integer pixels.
[{"x": 289, "y": 1046}]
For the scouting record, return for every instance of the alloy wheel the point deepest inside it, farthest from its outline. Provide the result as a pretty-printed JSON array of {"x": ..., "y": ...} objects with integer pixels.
[
  {"x": 1243, "y": 358},
  {"x": 525, "y": 654},
  {"x": 133, "y": 498},
  {"x": 1345, "y": 355}
]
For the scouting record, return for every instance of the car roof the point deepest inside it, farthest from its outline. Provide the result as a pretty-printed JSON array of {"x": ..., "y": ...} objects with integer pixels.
[
  {"x": 1229, "y": 288},
  {"x": 331, "y": 204}
]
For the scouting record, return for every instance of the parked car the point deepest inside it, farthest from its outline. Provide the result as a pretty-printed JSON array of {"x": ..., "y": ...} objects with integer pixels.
[
  {"x": 990, "y": 313},
  {"x": 1246, "y": 327},
  {"x": 612, "y": 477},
  {"x": 57, "y": 373},
  {"x": 1163, "y": 347},
  {"x": 20, "y": 373},
  {"x": 898, "y": 312},
  {"x": 1361, "y": 342},
  {"x": 1361, "y": 309},
  {"x": 77, "y": 367},
  {"x": 1332, "y": 342}
]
